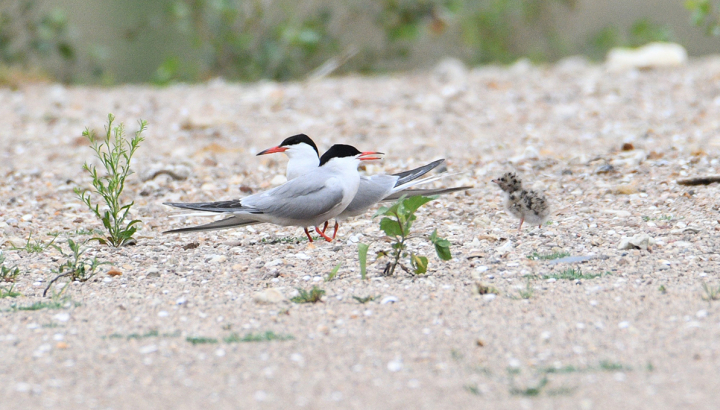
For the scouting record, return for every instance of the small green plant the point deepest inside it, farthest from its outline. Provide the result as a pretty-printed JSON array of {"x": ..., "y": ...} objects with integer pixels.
[
  {"x": 366, "y": 299},
  {"x": 526, "y": 293},
  {"x": 115, "y": 155},
  {"x": 8, "y": 275},
  {"x": 472, "y": 389},
  {"x": 609, "y": 366},
  {"x": 201, "y": 340},
  {"x": 35, "y": 246},
  {"x": 76, "y": 268},
  {"x": 483, "y": 289},
  {"x": 530, "y": 391},
  {"x": 397, "y": 223},
  {"x": 548, "y": 256},
  {"x": 572, "y": 274},
  {"x": 705, "y": 14},
  {"x": 259, "y": 337},
  {"x": 56, "y": 303},
  {"x": 313, "y": 296},
  {"x": 333, "y": 273},
  {"x": 710, "y": 293},
  {"x": 565, "y": 369},
  {"x": 662, "y": 289}
]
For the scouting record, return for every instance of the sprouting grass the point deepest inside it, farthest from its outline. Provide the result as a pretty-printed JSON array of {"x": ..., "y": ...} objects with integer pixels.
[
  {"x": 8, "y": 275},
  {"x": 710, "y": 293},
  {"x": 526, "y": 293},
  {"x": 201, "y": 340},
  {"x": 572, "y": 274},
  {"x": 366, "y": 299},
  {"x": 564, "y": 369},
  {"x": 35, "y": 246},
  {"x": 530, "y": 391},
  {"x": 603, "y": 365},
  {"x": 333, "y": 273},
  {"x": 472, "y": 389},
  {"x": 257, "y": 337},
  {"x": 53, "y": 304},
  {"x": 560, "y": 391},
  {"x": 140, "y": 336},
  {"x": 286, "y": 239},
  {"x": 609, "y": 366},
  {"x": 313, "y": 296},
  {"x": 548, "y": 256},
  {"x": 115, "y": 153},
  {"x": 662, "y": 289},
  {"x": 75, "y": 268},
  {"x": 660, "y": 218}
]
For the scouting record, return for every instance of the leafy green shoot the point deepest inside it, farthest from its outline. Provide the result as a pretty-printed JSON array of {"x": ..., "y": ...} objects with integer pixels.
[{"x": 115, "y": 154}]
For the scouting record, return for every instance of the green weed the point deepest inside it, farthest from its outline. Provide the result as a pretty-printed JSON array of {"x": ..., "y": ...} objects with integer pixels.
[
  {"x": 259, "y": 337},
  {"x": 548, "y": 256},
  {"x": 572, "y": 274},
  {"x": 397, "y": 223},
  {"x": 75, "y": 268},
  {"x": 35, "y": 246},
  {"x": 313, "y": 296},
  {"x": 201, "y": 340},
  {"x": 366, "y": 299},
  {"x": 115, "y": 155},
  {"x": 710, "y": 293}
]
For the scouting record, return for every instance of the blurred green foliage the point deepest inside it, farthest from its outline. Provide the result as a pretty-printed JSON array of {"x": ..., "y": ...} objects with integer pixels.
[
  {"x": 705, "y": 14},
  {"x": 641, "y": 32},
  {"x": 249, "y": 40}
]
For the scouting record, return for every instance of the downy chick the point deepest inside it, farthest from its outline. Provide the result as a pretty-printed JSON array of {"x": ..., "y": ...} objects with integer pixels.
[{"x": 530, "y": 206}]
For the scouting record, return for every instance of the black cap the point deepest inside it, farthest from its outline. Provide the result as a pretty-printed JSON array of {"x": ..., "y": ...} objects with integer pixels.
[
  {"x": 339, "y": 151},
  {"x": 299, "y": 139}
]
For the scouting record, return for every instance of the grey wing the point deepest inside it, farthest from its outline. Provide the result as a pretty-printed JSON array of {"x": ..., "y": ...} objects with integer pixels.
[
  {"x": 371, "y": 191},
  {"x": 425, "y": 192},
  {"x": 299, "y": 199}
]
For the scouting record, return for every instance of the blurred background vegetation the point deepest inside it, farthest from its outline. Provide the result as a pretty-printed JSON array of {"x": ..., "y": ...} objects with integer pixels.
[{"x": 164, "y": 41}]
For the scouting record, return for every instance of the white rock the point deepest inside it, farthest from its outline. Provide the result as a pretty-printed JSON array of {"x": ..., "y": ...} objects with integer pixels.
[
  {"x": 148, "y": 349},
  {"x": 269, "y": 295},
  {"x": 651, "y": 55},
  {"x": 62, "y": 317},
  {"x": 639, "y": 241},
  {"x": 389, "y": 299},
  {"x": 489, "y": 296},
  {"x": 27, "y": 217},
  {"x": 395, "y": 365},
  {"x": 302, "y": 255}
]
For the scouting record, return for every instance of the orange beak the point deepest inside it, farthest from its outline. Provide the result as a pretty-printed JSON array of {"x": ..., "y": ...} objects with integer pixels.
[
  {"x": 273, "y": 150},
  {"x": 373, "y": 156}
]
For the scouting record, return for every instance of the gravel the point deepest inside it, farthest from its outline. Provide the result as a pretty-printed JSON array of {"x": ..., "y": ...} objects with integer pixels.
[{"x": 640, "y": 335}]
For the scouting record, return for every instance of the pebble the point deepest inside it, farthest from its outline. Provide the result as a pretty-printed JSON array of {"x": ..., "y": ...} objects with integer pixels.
[
  {"x": 395, "y": 365},
  {"x": 62, "y": 317},
  {"x": 389, "y": 299},
  {"x": 148, "y": 349},
  {"x": 269, "y": 295},
  {"x": 218, "y": 259}
]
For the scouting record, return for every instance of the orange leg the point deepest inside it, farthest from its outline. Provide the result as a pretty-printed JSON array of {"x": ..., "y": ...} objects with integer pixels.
[
  {"x": 317, "y": 229},
  {"x": 521, "y": 222},
  {"x": 325, "y": 226},
  {"x": 337, "y": 225},
  {"x": 308, "y": 235}
]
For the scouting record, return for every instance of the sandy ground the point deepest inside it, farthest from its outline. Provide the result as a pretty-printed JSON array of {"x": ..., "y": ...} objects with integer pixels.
[{"x": 638, "y": 336}]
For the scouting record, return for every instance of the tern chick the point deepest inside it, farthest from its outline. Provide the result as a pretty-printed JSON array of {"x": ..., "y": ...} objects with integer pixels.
[{"x": 526, "y": 205}]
